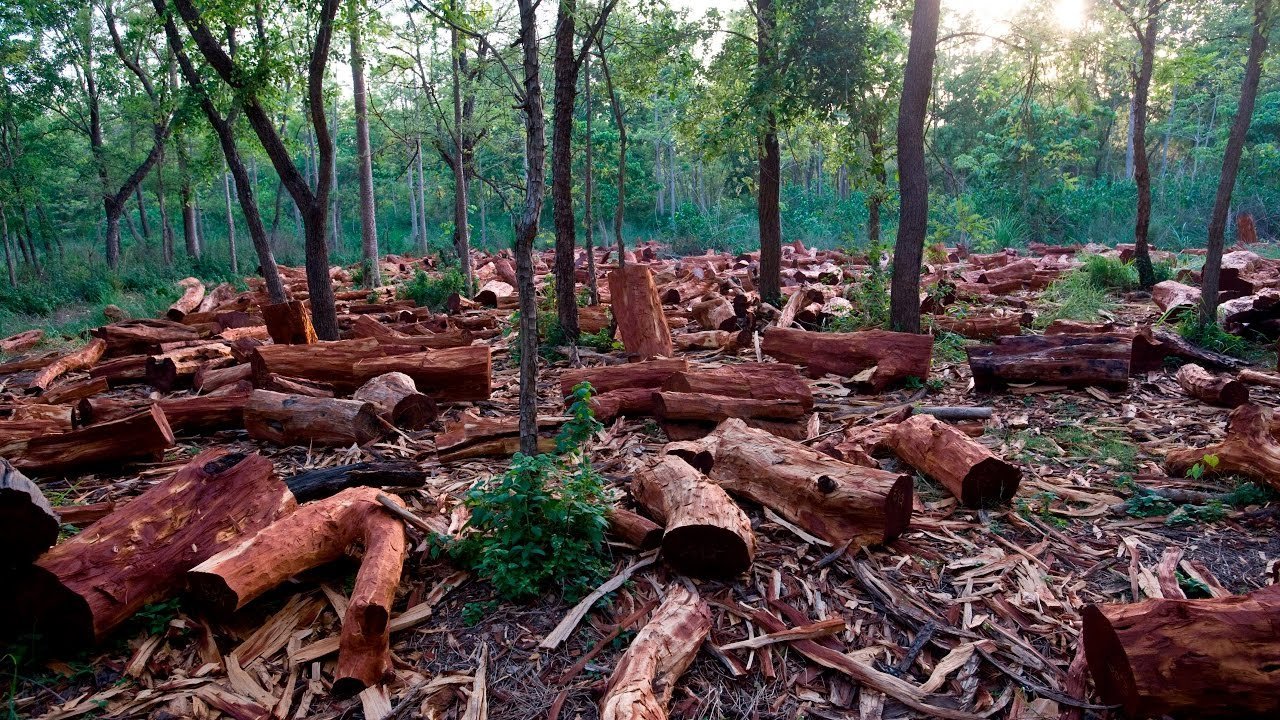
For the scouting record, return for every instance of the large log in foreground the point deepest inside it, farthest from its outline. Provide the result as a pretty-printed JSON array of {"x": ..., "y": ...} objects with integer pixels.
[
  {"x": 316, "y": 534},
  {"x": 645, "y": 677},
  {"x": 638, "y": 311},
  {"x": 1210, "y": 658},
  {"x": 1249, "y": 449},
  {"x": 301, "y": 420},
  {"x": 971, "y": 472},
  {"x": 92, "y": 582},
  {"x": 144, "y": 435},
  {"x": 875, "y": 358},
  {"x": 1052, "y": 359},
  {"x": 28, "y": 525},
  {"x": 707, "y": 534}
]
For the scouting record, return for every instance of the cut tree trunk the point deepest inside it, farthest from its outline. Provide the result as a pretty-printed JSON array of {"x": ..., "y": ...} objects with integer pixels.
[
  {"x": 638, "y": 311},
  {"x": 190, "y": 301},
  {"x": 1208, "y": 658},
  {"x": 179, "y": 367},
  {"x": 316, "y": 534},
  {"x": 21, "y": 342},
  {"x": 81, "y": 359},
  {"x": 1171, "y": 295},
  {"x": 1249, "y": 449},
  {"x": 289, "y": 323},
  {"x": 645, "y": 677},
  {"x": 324, "y": 482},
  {"x": 73, "y": 391},
  {"x": 1052, "y": 359},
  {"x": 707, "y": 340},
  {"x": 633, "y": 529},
  {"x": 1213, "y": 389},
  {"x": 474, "y": 436},
  {"x": 495, "y": 293},
  {"x": 875, "y": 358},
  {"x": 330, "y": 362},
  {"x": 702, "y": 407},
  {"x": 971, "y": 472},
  {"x": 649, "y": 374},
  {"x": 28, "y": 524},
  {"x": 631, "y": 402},
  {"x": 981, "y": 327},
  {"x": 142, "y": 337},
  {"x": 715, "y": 314},
  {"x": 707, "y": 534},
  {"x": 145, "y": 435},
  {"x": 398, "y": 401},
  {"x": 207, "y": 379},
  {"x": 191, "y": 414},
  {"x": 447, "y": 375},
  {"x": 301, "y": 420},
  {"x": 758, "y": 381}
]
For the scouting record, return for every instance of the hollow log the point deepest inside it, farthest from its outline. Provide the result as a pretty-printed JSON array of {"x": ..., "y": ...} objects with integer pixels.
[
  {"x": 289, "y": 323},
  {"x": 980, "y": 327},
  {"x": 715, "y": 314},
  {"x": 81, "y": 359},
  {"x": 493, "y": 293},
  {"x": 144, "y": 435},
  {"x": 207, "y": 379},
  {"x": 703, "y": 407},
  {"x": 167, "y": 371},
  {"x": 1052, "y": 359},
  {"x": 881, "y": 356},
  {"x": 142, "y": 337},
  {"x": 969, "y": 471},
  {"x": 1213, "y": 389},
  {"x": 1208, "y": 658},
  {"x": 398, "y": 401},
  {"x": 28, "y": 524},
  {"x": 21, "y": 342},
  {"x": 1249, "y": 449},
  {"x": 638, "y": 312},
  {"x": 836, "y": 501},
  {"x": 1172, "y": 295},
  {"x": 707, "y": 534},
  {"x": 316, "y": 534},
  {"x": 648, "y": 374},
  {"x": 758, "y": 381},
  {"x": 634, "y": 529},
  {"x": 324, "y": 482},
  {"x": 190, "y": 301},
  {"x": 645, "y": 677},
  {"x": 301, "y": 420},
  {"x": 447, "y": 375},
  {"x": 632, "y": 402}
]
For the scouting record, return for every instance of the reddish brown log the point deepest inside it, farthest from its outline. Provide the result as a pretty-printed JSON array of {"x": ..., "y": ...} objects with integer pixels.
[
  {"x": 638, "y": 312},
  {"x": 797, "y": 430},
  {"x": 645, "y": 677},
  {"x": 190, "y": 301},
  {"x": 330, "y": 362},
  {"x": 313, "y": 535},
  {"x": 399, "y": 342},
  {"x": 179, "y": 367},
  {"x": 207, "y": 379},
  {"x": 81, "y": 359},
  {"x": 715, "y": 314},
  {"x": 1076, "y": 327},
  {"x": 127, "y": 370},
  {"x": 297, "y": 386},
  {"x": 398, "y": 401},
  {"x": 1052, "y": 359},
  {"x": 707, "y": 534},
  {"x": 594, "y": 318},
  {"x": 82, "y": 516},
  {"x": 474, "y": 436},
  {"x": 1017, "y": 271},
  {"x": 190, "y": 414},
  {"x": 300, "y": 420},
  {"x": 21, "y": 342},
  {"x": 634, "y": 529},
  {"x": 969, "y": 471},
  {"x": 28, "y": 524},
  {"x": 1249, "y": 449},
  {"x": 1171, "y": 294},
  {"x": 289, "y": 323},
  {"x": 702, "y": 407},
  {"x": 632, "y": 402},
  {"x": 144, "y": 435},
  {"x": 881, "y": 356},
  {"x": 73, "y": 391},
  {"x": 980, "y": 327},
  {"x": 707, "y": 340},
  {"x": 27, "y": 363},
  {"x": 650, "y": 374},
  {"x": 494, "y": 292},
  {"x": 447, "y": 375},
  {"x": 1151, "y": 346},
  {"x": 142, "y": 337},
  {"x": 759, "y": 381},
  {"x": 1213, "y": 389},
  {"x": 59, "y": 415},
  {"x": 1209, "y": 658},
  {"x": 138, "y": 555}
]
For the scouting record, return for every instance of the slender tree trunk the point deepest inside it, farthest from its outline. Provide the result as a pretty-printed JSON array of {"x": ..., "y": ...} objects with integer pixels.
[
  {"x": 423, "y": 243},
  {"x": 1231, "y": 160},
  {"x": 335, "y": 214},
  {"x": 1130, "y": 151},
  {"x": 1142, "y": 169},
  {"x": 768, "y": 208},
  {"x": 8, "y": 248},
  {"x": 1168, "y": 132},
  {"x": 368, "y": 213},
  {"x": 231, "y": 222},
  {"x": 527, "y": 226},
  {"x": 410, "y": 174},
  {"x": 875, "y": 198},
  {"x": 461, "y": 225},
  {"x": 588, "y": 189},
  {"x": 566, "y": 90},
  {"x": 190, "y": 233},
  {"x": 913, "y": 218},
  {"x": 142, "y": 214},
  {"x": 619, "y": 120}
]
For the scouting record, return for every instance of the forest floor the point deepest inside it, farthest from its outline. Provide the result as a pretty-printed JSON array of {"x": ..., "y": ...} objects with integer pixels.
[{"x": 995, "y": 591}]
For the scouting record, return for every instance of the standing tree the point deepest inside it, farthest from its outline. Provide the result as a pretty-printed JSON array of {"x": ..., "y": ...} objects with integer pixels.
[
  {"x": 530, "y": 101},
  {"x": 768, "y": 204},
  {"x": 913, "y": 177},
  {"x": 364, "y": 161},
  {"x": 1261, "y": 29}
]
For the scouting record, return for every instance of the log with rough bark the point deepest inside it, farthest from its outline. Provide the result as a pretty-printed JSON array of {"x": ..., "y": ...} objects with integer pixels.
[
  {"x": 638, "y": 311},
  {"x": 143, "y": 435},
  {"x": 645, "y": 677},
  {"x": 1171, "y": 295},
  {"x": 981, "y": 327},
  {"x": 836, "y": 501},
  {"x": 1259, "y": 378},
  {"x": 192, "y": 296},
  {"x": 329, "y": 362},
  {"x": 89, "y": 584},
  {"x": 21, "y": 342},
  {"x": 1207, "y": 658},
  {"x": 324, "y": 482},
  {"x": 631, "y": 402},
  {"x": 82, "y": 359},
  {"x": 70, "y": 392},
  {"x": 875, "y": 358},
  {"x": 398, "y": 401},
  {"x": 178, "y": 367},
  {"x": 634, "y": 529},
  {"x": 142, "y": 337},
  {"x": 707, "y": 534},
  {"x": 316, "y": 534},
  {"x": 649, "y": 374},
  {"x": 188, "y": 414},
  {"x": 1053, "y": 360},
  {"x": 1249, "y": 449},
  {"x": 472, "y": 435},
  {"x": 398, "y": 342},
  {"x": 28, "y": 524},
  {"x": 801, "y": 429},
  {"x": 447, "y": 375},
  {"x": 755, "y": 380},
  {"x": 715, "y": 314},
  {"x": 1151, "y": 346},
  {"x": 705, "y": 340},
  {"x": 969, "y": 471},
  {"x": 297, "y": 386},
  {"x": 127, "y": 370},
  {"x": 1018, "y": 270},
  {"x": 704, "y": 407},
  {"x": 301, "y": 420},
  {"x": 289, "y": 323},
  {"x": 495, "y": 293},
  {"x": 1217, "y": 390},
  {"x": 207, "y": 379}
]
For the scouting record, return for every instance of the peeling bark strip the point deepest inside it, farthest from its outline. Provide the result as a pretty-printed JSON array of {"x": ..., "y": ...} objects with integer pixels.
[
  {"x": 707, "y": 534},
  {"x": 969, "y": 471},
  {"x": 645, "y": 678}
]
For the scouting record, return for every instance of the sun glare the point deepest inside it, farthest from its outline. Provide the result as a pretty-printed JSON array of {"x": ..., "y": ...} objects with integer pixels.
[{"x": 1066, "y": 14}]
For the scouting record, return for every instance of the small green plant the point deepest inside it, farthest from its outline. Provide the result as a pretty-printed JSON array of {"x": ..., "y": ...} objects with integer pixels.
[
  {"x": 1249, "y": 493},
  {"x": 1074, "y": 297},
  {"x": 474, "y": 612},
  {"x": 1146, "y": 504},
  {"x": 1110, "y": 273},
  {"x": 602, "y": 341},
  {"x": 429, "y": 292},
  {"x": 1211, "y": 336},
  {"x": 868, "y": 298},
  {"x": 1207, "y": 463},
  {"x": 157, "y": 616},
  {"x": 949, "y": 347},
  {"x": 1213, "y": 511},
  {"x": 1191, "y": 587},
  {"x": 1043, "y": 508}
]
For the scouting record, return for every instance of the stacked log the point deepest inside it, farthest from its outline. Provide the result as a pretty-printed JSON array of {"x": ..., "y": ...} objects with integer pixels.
[
  {"x": 289, "y": 323},
  {"x": 447, "y": 375},
  {"x": 142, "y": 337},
  {"x": 192, "y": 296},
  {"x": 81, "y": 359},
  {"x": 1052, "y": 359},
  {"x": 474, "y": 436},
  {"x": 143, "y": 435},
  {"x": 398, "y": 401},
  {"x": 875, "y": 358},
  {"x": 300, "y": 420},
  {"x": 637, "y": 309},
  {"x": 969, "y": 471},
  {"x": 706, "y": 535},
  {"x": 648, "y": 374},
  {"x": 165, "y": 372}
]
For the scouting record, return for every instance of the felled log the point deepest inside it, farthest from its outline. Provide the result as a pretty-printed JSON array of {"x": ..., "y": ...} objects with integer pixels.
[
  {"x": 1016, "y": 271},
  {"x": 759, "y": 381},
  {"x": 89, "y": 584},
  {"x": 876, "y": 358},
  {"x": 594, "y": 318},
  {"x": 705, "y": 340},
  {"x": 634, "y": 529},
  {"x": 142, "y": 337},
  {"x": 316, "y": 534},
  {"x": 167, "y": 371},
  {"x": 324, "y": 482},
  {"x": 715, "y": 314},
  {"x": 836, "y": 501},
  {"x": 703, "y": 407},
  {"x": 143, "y": 435},
  {"x": 980, "y": 327},
  {"x": 447, "y": 375},
  {"x": 73, "y": 391},
  {"x": 1249, "y": 449},
  {"x": 207, "y": 379},
  {"x": 645, "y": 677},
  {"x": 28, "y": 524},
  {"x": 707, "y": 534},
  {"x": 797, "y": 430},
  {"x": 21, "y": 342},
  {"x": 969, "y": 471},
  {"x": 1172, "y": 295},
  {"x": 330, "y": 361},
  {"x": 1217, "y": 390},
  {"x": 647, "y": 374},
  {"x": 1208, "y": 658},
  {"x": 300, "y": 420},
  {"x": 27, "y": 362},
  {"x": 192, "y": 296},
  {"x": 127, "y": 370},
  {"x": 493, "y": 293},
  {"x": 1052, "y": 359},
  {"x": 1151, "y": 346},
  {"x": 1258, "y": 378},
  {"x": 289, "y": 323},
  {"x": 1253, "y": 310},
  {"x": 188, "y": 414},
  {"x": 638, "y": 312},
  {"x": 366, "y": 326},
  {"x": 297, "y": 386},
  {"x": 474, "y": 436},
  {"x": 59, "y": 415},
  {"x": 632, "y": 402},
  {"x": 80, "y": 359},
  {"x": 398, "y": 401}
]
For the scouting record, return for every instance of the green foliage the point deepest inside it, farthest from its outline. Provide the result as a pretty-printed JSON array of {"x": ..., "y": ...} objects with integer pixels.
[
  {"x": 1188, "y": 514},
  {"x": 1146, "y": 504},
  {"x": 602, "y": 341},
  {"x": 1041, "y": 505},
  {"x": 1191, "y": 587},
  {"x": 474, "y": 612},
  {"x": 155, "y": 618},
  {"x": 1211, "y": 336},
  {"x": 1110, "y": 273},
  {"x": 1074, "y": 297},
  {"x": 949, "y": 347},
  {"x": 432, "y": 292},
  {"x": 869, "y": 297},
  {"x": 1250, "y": 493}
]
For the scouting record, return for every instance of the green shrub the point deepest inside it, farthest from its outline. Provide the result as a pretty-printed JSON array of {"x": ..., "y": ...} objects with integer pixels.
[
  {"x": 1211, "y": 336},
  {"x": 1110, "y": 273},
  {"x": 1074, "y": 297},
  {"x": 429, "y": 292},
  {"x": 950, "y": 347},
  {"x": 869, "y": 297}
]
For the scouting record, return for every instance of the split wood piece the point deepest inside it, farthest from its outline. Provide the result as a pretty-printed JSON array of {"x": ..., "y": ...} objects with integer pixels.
[
  {"x": 1052, "y": 359},
  {"x": 189, "y": 414},
  {"x": 316, "y": 534},
  {"x": 398, "y": 401},
  {"x": 167, "y": 371},
  {"x": 1187, "y": 658},
  {"x": 645, "y": 677},
  {"x": 706, "y": 340},
  {"x": 127, "y": 370},
  {"x": 289, "y": 323},
  {"x": 297, "y": 386},
  {"x": 648, "y": 374},
  {"x": 702, "y": 407},
  {"x": 301, "y": 420},
  {"x": 142, "y": 337},
  {"x": 21, "y": 342},
  {"x": 138, "y": 554},
  {"x": 756, "y": 380},
  {"x": 190, "y": 301},
  {"x": 836, "y": 501},
  {"x": 1249, "y": 449},
  {"x": 365, "y": 326},
  {"x": 1213, "y": 389},
  {"x": 980, "y": 327},
  {"x": 493, "y": 293},
  {"x": 797, "y": 430},
  {"x": 73, "y": 391},
  {"x": 145, "y": 435},
  {"x": 971, "y": 472},
  {"x": 1259, "y": 378},
  {"x": 1019, "y": 270},
  {"x": 324, "y": 482},
  {"x": 29, "y": 362},
  {"x": 474, "y": 436},
  {"x": 875, "y": 358},
  {"x": 707, "y": 534},
  {"x": 217, "y": 297},
  {"x": 447, "y": 375},
  {"x": 207, "y": 379},
  {"x": 633, "y": 529},
  {"x": 638, "y": 312},
  {"x": 1076, "y": 327},
  {"x": 328, "y": 361},
  {"x": 631, "y": 402},
  {"x": 715, "y": 314},
  {"x": 59, "y": 415},
  {"x": 82, "y": 516},
  {"x": 28, "y": 524},
  {"x": 1171, "y": 295},
  {"x": 81, "y": 359}
]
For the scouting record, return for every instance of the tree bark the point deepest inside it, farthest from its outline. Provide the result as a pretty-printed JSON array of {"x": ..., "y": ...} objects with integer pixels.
[
  {"x": 368, "y": 213},
  {"x": 566, "y": 89},
  {"x": 619, "y": 119},
  {"x": 1141, "y": 162},
  {"x": 638, "y": 312},
  {"x": 28, "y": 524},
  {"x": 461, "y": 224},
  {"x": 645, "y": 677},
  {"x": 527, "y": 224},
  {"x": 883, "y": 357},
  {"x": 707, "y": 534},
  {"x": 768, "y": 208},
  {"x": 1213, "y": 389},
  {"x": 300, "y": 420},
  {"x": 588, "y": 187},
  {"x": 969, "y": 471}
]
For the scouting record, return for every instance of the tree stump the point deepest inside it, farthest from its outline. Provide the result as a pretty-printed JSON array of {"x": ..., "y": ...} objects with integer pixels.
[
  {"x": 969, "y": 471},
  {"x": 301, "y": 420},
  {"x": 1213, "y": 389},
  {"x": 645, "y": 677},
  {"x": 707, "y": 534},
  {"x": 1249, "y": 449},
  {"x": 638, "y": 312}
]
